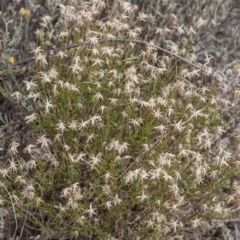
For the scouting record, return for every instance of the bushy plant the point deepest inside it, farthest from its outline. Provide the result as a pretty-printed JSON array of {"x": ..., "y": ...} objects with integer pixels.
[{"x": 129, "y": 136}]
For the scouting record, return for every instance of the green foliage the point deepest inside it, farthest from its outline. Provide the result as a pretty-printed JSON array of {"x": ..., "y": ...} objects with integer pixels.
[{"x": 128, "y": 146}]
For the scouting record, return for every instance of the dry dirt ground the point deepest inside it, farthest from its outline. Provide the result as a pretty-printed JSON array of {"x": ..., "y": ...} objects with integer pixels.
[{"x": 221, "y": 41}]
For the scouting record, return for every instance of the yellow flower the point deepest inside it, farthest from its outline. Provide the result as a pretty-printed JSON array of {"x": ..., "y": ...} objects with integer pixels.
[
  {"x": 11, "y": 60},
  {"x": 25, "y": 11},
  {"x": 236, "y": 93},
  {"x": 236, "y": 67}
]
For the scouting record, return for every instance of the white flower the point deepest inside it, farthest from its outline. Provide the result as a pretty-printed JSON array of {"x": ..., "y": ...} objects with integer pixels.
[
  {"x": 98, "y": 96},
  {"x": 122, "y": 148},
  {"x": 61, "y": 126},
  {"x": 207, "y": 144},
  {"x": 180, "y": 29},
  {"x": 108, "y": 176},
  {"x": 28, "y": 148},
  {"x": 43, "y": 141},
  {"x": 97, "y": 61},
  {"x": 194, "y": 72},
  {"x": 135, "y": 122},
  {"x": 13, "y": 165},
  {"x": 54, "y": 162},
  {"x": 95, "y": 51},
  {"x": 46, "y": 19},
  {"x": 142, "y": 16},
  {"x": 94, "y": 40},
  {"x": 31, "y": 118},
  {"x": 72, "y": 158},
  {"x": 102, "y": 108},
  {"x": 170, "y": 112},
  {"x": 127, "y": 7},
  {"x": 143, "y": 197},
  {"x": 174, "y": 224},
  {"x": 108, "y": 204},
  {"x": 90, "y": 138},
  {"x": 198, "y": 113},
  {"x": 144, "y": 174},
  {"x": 166, "y": 176},
  {"x": 30, "y": 85},
  {"x": 90, "y": 211},
  {"x": 66, "y": 147},
  {"x": 45, "y": 78},
  {"x": 157, "y": 113},
  {"x": 73, "y": 125},
  {"x": 130, "y": 177},
  {"x": 36, "y": 51},
  {"x": 33, "y": 95},
  {"x": 60, "y": 207},
  {"x": 31, "y": 164},
  {"x": 48, "y": 105},
  {"x": 53, "y": 73},
  {"x": 61, "y": 54},
  {"x": 191, "y": 31},
  {"x": 83, "y": 124},
  {"x": 94, "y": 119},
  {"x": 160, "y": 31},
  {"x": 196, "y": 222},
  {"x": 96, "y": 159},
  {"x": 161, "y": 128},
  {"x": 117, "y": 200},
  {"x": 20, "y": 179},
  {"x": 76, "y": 68},
  {"x": 150, "y": 223},
  {"x": 4, "y": 173},
  {"x": 179, "y": 126},
  {"x": 30, "y": 187},
  {"x": 71, "y": 203},
  {"x": 17, "y": 95},
  {"x": 133, "y": 34},
  {"x": 156, "y": 173},
  {"x": 218, "y": 208},
  {"x": 81, "y": 156},
  {"x": 41, "y": 58},
  {"x": 200, "y": 22}
]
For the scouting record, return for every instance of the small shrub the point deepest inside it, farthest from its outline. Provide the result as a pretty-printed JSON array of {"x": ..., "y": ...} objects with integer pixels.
[{"x": 129, "y": 142}]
